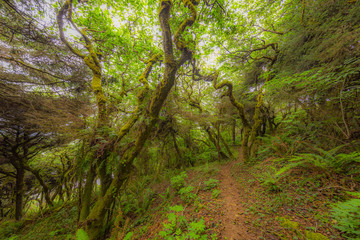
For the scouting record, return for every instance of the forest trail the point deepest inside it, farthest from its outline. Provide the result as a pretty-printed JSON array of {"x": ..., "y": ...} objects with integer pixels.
[{"x": 233, "y": 217}]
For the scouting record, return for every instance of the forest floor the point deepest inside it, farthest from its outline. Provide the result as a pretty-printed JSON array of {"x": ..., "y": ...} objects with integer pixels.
[
  {"x": 241, "y": 201},
  {"x": 218, "y": 200}
]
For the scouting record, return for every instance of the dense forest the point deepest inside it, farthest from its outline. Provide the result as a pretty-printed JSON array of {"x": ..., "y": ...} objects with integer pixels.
[{"x": 180, "y": 119}]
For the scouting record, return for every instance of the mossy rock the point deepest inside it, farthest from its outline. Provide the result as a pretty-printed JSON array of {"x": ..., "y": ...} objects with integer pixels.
[
  {"x": 315, "y": 236},
  {"x": 286, "y": 223}
]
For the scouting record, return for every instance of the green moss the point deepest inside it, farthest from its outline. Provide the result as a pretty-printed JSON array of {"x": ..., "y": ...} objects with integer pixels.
[
  {"x": 315, "y": 236},
  {"x": 286, "y": 223},
  {"x": 89, "y": 61}
]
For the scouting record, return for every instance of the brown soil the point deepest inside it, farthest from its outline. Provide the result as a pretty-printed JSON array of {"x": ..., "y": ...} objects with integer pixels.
[{"x": 234, "y": 221}]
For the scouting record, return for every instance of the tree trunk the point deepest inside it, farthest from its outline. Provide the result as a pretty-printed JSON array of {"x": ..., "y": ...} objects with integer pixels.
[
  {"x": 225, "y": 145},
  {"x": 43, "y": 184},
  {"x": 105, "y": 177},
  {"x": 19, "y": 192},
  {"x": 86, "y": 197},
  {"x": 221, "y": 154},
  {"x": 95, "y": 220},
  {"x": 179, "y": 157},
  {"x": 234, "y": 131},
  {"x": 244, "y": 144}
]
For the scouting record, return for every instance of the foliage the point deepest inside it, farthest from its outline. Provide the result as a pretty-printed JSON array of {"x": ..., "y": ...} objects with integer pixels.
[
  {"x": 215, "y": 193},
  {"x": 324, "y": 161},
  {"x": 210, "y": 184},
  {"x": 177, "y": 226},
  {"x": 277, "y": 146},
  {"x": 178, "y": 182},
  {"x": 186, "y": 194},
  {"x": 346, "y": 215},
  {"x": 55, "y": 223},
  {"x": 138, "y": 197},
  {"x": 128, "y": 236}
]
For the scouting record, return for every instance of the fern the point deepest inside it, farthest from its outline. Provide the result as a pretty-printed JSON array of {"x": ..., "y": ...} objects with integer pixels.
[
  {"x": 326, "y": 160},
  {"x": 178, "y": 181},
  {"x": 210, "y": 184},
  {"x": 347, "y": 216},
  {"x": 278, "y": 146}
]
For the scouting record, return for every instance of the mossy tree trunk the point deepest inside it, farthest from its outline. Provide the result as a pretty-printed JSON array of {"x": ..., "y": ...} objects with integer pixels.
[
  {"x": 86, "y": 194},
  {"x": 250, "y": 131},
  {"x": 212, "y": 137},
  {"x": 179, "y": 157},
  {"x": 225, "y": 145},
  {"x": 233, "y": 131},
  {"x": 241, "y": 110}
]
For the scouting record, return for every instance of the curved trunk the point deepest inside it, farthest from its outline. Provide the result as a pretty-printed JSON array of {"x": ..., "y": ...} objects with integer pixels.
[{"x": 43, "y": 184}]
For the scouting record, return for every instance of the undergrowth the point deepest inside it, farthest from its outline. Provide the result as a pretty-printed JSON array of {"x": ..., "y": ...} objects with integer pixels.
[{"x": 57, "y": 223}]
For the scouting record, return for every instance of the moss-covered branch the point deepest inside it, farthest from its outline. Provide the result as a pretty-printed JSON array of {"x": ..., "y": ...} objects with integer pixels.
[
  {"x": 97, "y": 214},
  {"x": 239, "y": 106},
  {"x": 186, "y": 53},
  {"x": 186, "y": 23},
  {"x": 91, "y": 60},
  {"x": 141, "y": 96}
]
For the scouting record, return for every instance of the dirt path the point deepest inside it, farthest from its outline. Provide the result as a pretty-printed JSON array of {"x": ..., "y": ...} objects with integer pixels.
[{"x": 233, "y": 217}]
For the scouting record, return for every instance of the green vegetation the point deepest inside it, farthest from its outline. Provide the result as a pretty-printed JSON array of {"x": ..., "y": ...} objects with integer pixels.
[
  {"x": 347, "y": 216},
  {"x": 120, "y": 119}
]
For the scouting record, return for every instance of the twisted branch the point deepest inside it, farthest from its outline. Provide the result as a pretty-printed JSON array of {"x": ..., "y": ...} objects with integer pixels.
[{"x": 239, "y": 106}]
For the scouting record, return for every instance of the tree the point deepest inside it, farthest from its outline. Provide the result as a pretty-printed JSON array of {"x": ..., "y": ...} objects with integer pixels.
[
  {"x": 34, "y": 103},
  {"x": 110, "y": 187}
]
